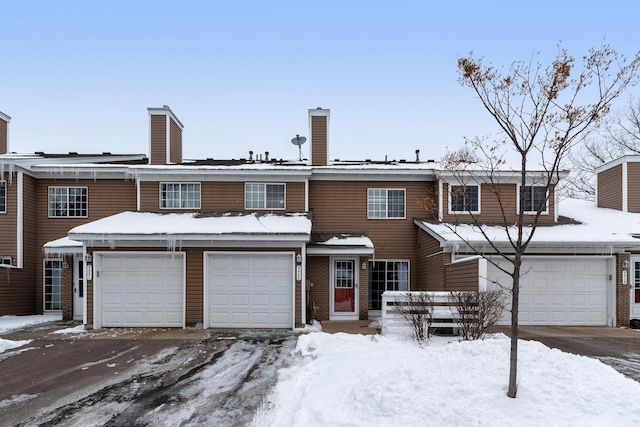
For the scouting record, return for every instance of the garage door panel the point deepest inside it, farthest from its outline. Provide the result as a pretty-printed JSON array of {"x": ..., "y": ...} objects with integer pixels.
[
  {"x": 258, "y": 287},
  {"x": 565, "y": 291},
  {"x": 139, "y": 289}
]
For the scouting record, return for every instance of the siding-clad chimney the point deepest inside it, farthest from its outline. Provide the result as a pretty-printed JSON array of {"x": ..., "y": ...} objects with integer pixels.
[
  {"x": 4, "y": 133},
  {"x": 165, "y": 136},
  {"x": 319, "y": 141}
]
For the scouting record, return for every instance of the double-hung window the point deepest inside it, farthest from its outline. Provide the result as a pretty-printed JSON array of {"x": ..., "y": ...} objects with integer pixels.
[
  {"x": 535, "y": 197},
  {"x": 386, "y": 275},
  {"x": 264, "y": 196},
  {"x": 180, "y": 195},
  {"x": 67, "y": 202},
  {"x": 465, "y": 198},
  {"x": 3, "y": 196},
  {"x": 386, "y": 203}
]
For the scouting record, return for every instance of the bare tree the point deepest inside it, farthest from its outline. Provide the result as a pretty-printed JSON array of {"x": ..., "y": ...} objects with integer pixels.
[
  {"x": 620, "y": 136},
  {"x": 541, "y": 112},
  {"x": 478, "y": 310},
  {"x": 416, "y": 308}
]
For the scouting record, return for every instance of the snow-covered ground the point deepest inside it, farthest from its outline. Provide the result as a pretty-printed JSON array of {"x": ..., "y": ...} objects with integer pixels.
[
  {"x": 9, "y": 323},
  {"x": 355, "y": 380}
]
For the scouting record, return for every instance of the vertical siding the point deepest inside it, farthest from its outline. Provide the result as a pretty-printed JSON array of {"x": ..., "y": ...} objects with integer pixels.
[
  {"x": 633, "y": 187},
  {"x": 219, "y": 197},
  {"x": 4, "y": 137},
  {"x": 105, "y": 198},
  {"x": 175, "y": 142},
  {"x": 462, "y": 275},
  {"x": 319, "y": 149},
  {"x": 158, "y": 155},
  {"x": 610, "y": 188}
]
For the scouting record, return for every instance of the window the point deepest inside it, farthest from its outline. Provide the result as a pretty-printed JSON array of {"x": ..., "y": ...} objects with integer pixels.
[
  {"x": 67, "y": 201},
  {"x": 386, "y": 203},
  {"x": 264, "y": 196},
  {"x": 386, "y": 276},
  {"x": 52, "y": 284},
  {"x": 535, "y": 197},
  {"x": 180, "y": 195},
  {"x": 3, "y": 196},
  {"x": 465, "y": 198}
]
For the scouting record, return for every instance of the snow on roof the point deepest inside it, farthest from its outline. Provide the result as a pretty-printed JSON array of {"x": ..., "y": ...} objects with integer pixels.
[
  {"x": 347, "y": 240},
  {"x": 132, "y": 225},
  {"x": 596, "y": 225},
  {"x": 62, "y": 245}
]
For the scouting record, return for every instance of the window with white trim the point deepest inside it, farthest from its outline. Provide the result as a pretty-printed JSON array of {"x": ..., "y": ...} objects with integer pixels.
[
  {"x": 535, "y": 197},
  {"x": 67, "y": 202},
  {"x": 52, "y": 284},
  {"x": 464, "y": 198},
  {"x": 264, "y": 196},
  {"x": 3, "y": 196},
  {"x": 386, "y": 275},
  {"x": 180, "y": 195},
  {"x": 386, "y": 203}
]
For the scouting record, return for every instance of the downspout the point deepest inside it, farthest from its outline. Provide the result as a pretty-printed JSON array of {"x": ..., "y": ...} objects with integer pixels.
[{"x": 20, "y": 221}]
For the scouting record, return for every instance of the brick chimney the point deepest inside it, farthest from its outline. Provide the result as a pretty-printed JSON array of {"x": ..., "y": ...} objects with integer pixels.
[
  {"x": 165, "y": 136},
  {"x": 4, "y": 133},
  {"x": 319, "y": 133}
]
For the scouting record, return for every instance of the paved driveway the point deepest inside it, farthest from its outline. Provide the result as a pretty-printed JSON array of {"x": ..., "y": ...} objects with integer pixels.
[
  {"x": 617, "y": 347},
  {"x": 137, "y": 377}
]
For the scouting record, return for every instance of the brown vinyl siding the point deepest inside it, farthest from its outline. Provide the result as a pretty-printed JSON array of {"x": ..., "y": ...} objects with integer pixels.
[
  {"x": 4, "y": 137},
  {"x": 610, "y": 188},
  {"x": 18, "y": 286},
  {"x": 491, "y": 211},
  {"x": 462, "y": 275},
  {"x": 220, "y": 197},
  {"x": 9, "y": 219},
  {"x": 341, "y": 207},
  {"x": 633, "y": 187},
  {"x": 431, "y": 264},
  {"x": 158, "y": 155},
  {"x": 319, "y": 149},
  {"x": 175, "y": 142},
  {"x": 105, "y": 197},
  {"x": 318, "y": 270}
]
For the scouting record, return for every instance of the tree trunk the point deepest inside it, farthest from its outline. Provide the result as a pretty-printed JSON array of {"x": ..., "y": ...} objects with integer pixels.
[{"x": 513, "y": 356}]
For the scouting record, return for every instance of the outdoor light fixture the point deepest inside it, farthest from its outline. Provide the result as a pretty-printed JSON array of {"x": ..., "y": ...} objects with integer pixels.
[
  {"x": 625, "y": 264},
  {"x": 298, "y": 258},
  {"x": 364, "y": 265}
]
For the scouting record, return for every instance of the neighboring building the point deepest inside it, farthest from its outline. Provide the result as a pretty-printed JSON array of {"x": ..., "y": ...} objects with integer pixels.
[{"x": 260, "y": 242}]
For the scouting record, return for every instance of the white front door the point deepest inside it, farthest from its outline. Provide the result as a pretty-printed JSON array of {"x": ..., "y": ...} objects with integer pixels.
[
  {"x": 344, "y": 289},
  {"x": 635, "y": 288},
  {"x": 78, "y": 288}
]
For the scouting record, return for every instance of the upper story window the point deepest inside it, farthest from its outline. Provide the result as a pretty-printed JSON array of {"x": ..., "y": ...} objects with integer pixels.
[
  {"x": 386, "y": 203},
  {"x": 67, "y": 201},
  {"x": 465, "y": 198},
  {"x": 535, "y": 197},
  {"x": 264, "y": 196},
  {"x": 3, "y": 196},
  {"x": 180, "y": 195}
]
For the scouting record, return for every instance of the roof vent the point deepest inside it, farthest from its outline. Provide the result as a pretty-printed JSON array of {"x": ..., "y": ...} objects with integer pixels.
[{"x": 417, "y": 156}]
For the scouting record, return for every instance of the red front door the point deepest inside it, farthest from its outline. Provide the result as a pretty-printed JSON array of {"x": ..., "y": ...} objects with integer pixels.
[{"x": 344, "y": 286}]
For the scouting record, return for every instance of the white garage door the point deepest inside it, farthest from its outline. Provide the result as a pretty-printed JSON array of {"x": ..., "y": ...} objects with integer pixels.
[
  {"x": 249, "y": 290},
  {"x": 141, "y": 289},
  {"x": 560, "y": 291}
]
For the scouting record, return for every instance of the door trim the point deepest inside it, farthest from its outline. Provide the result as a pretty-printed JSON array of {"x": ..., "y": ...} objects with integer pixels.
[{"x": 333, "y": 315}]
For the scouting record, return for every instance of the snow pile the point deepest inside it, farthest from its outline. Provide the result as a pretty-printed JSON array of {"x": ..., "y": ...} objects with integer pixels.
[
  {"x": 9, "y": 323},
  {"x": 9, "y": 344},
  {"x": 355, "y": 380},
  {"x": 75, "y": 330}
]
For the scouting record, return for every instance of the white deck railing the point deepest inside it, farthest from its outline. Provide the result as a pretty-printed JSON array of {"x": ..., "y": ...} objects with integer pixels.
[{"x": 445, "y": 314}]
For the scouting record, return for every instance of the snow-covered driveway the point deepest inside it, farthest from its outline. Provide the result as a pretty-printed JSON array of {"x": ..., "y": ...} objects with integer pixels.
[{"x": 146, "y": 377}]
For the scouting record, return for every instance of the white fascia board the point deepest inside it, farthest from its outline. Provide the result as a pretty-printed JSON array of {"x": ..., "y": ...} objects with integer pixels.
[
  {"x": 178, "y": 244},
  {"x": 79, "y": 172},
  {"x": 144, "y": 238},
  {"x": 219, "y": 175},
  {"x": 5, "y": 117},
  {"x": 335, "y": 174},
  {"x": 499, "y": 177},
  {"x": 565, "y": 248},
  {"x": 620, "y": 160},
  {"x": 332, "y": 250}
]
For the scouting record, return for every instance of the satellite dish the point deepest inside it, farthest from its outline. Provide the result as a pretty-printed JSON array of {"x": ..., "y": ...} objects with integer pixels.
[{"x": 299, "y": 140}]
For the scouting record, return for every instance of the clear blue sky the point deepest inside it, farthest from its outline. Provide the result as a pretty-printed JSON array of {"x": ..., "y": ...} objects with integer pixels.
[{"x": 241, "y": 75}]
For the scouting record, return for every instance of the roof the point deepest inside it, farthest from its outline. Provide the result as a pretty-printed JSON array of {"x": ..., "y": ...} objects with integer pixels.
[
  {"x": 185, "y": 227},
  {"x": 340, "y": 244},
  {"x": 591, "y": 229},
  {"x": 63, "y": 245}
]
